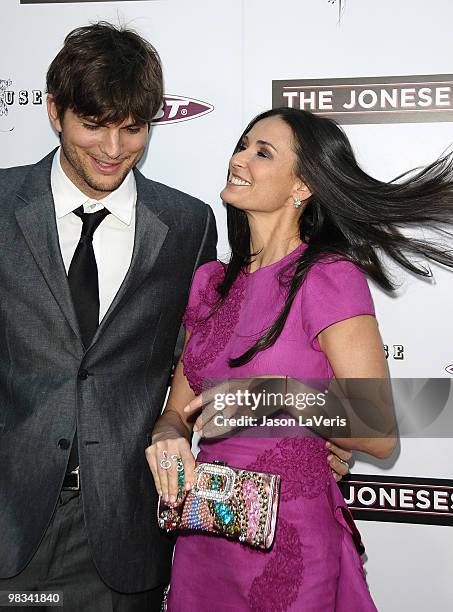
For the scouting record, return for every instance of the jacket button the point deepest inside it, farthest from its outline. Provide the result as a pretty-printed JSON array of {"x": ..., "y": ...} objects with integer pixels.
[
  {"x": 64, "y": 444},
  {"x": 83, "y": 374}
]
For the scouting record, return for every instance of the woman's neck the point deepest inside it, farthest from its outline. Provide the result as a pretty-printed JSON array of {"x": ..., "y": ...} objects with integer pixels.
[{"x": 271, "y": 248}]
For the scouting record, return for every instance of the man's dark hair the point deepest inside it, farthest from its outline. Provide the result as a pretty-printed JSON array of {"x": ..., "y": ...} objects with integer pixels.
[{"x": 107, "y": 72}]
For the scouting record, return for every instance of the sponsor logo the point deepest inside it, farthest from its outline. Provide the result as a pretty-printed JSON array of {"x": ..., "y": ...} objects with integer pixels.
[
  {"x": 449, "y": 368},
  {"x": 181, "y": 108},
  {"x": 394, "y": 351},
  {"x": 393, "y": 99},
  {"x": 399, "y": 499},
  {"x": 174, "y": 108},
  {"x": 4, "y": 83},
  {"x": 10, "y": 97}
]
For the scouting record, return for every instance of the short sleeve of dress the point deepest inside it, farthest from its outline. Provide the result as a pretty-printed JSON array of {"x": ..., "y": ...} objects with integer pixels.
[
  {"x": 203, "y": 295},
  {"x": 333, "y": 291}
]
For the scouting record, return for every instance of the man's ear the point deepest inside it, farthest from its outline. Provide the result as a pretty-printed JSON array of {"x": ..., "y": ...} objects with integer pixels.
[{"x": 53, "y": 113}]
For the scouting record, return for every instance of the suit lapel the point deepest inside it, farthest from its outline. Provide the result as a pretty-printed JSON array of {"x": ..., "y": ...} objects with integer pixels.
[
  {"x": 37, "y": 222},
  {"x": 150, "y": 233}
]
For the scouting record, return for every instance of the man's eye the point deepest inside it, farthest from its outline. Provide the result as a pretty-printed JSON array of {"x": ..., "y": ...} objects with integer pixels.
[
  {"x": 91, "y": 126},
  {"x": 133, "y": 130}
]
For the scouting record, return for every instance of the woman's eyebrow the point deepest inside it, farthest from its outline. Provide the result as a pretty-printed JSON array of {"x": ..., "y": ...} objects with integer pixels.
[{"x": 264, "y": 142}]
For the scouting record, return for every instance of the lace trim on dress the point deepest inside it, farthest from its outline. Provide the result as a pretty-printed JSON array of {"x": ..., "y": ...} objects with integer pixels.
[
  {"x": 304, "y": 471},
  {"x": 214, "y": 331},
  {"x": 276, "y": 588},
  {"x": 302, "y": 465}
]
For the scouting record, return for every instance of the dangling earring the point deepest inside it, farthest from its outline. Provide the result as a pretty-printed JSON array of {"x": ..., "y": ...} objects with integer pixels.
[{"x": 297, "y": 202}]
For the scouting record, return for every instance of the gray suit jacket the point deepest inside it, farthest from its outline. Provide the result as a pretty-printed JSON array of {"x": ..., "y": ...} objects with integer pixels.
[{"x": 43, "y": 389}]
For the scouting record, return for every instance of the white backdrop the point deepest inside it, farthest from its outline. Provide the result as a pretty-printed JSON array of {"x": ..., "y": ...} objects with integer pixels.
[{"x": 227, "y": 54}]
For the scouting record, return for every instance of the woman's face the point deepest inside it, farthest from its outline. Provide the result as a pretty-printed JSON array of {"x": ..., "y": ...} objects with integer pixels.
[{"x": 261, "y": 174}]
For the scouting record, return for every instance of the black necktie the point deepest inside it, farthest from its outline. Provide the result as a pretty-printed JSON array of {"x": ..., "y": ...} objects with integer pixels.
[
  {"x": 83, "y": 275},
  {"x": 84, "y": 286}
]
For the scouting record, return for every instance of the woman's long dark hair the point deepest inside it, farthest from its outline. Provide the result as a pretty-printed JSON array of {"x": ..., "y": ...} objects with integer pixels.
[{"x": 349, "y": 215}]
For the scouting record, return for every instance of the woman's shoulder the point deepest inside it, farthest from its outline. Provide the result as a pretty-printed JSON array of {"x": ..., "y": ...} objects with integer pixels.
[
  {"x": 335, "y": 289},
  {"x": 210, "y": 266},
  {"x": 211, "y": 270},
  {"x": 336, "y": 270},
  {"x": 205, "y": 282},
  {"x": 203, "y": 291},
  {"x": 335, "y": 262}
]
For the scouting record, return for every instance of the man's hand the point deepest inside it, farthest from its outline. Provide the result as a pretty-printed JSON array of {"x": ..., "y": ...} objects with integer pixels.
[
  {"x": 208, "y": 404},
  {"x": 229, "y": 400},
  {"x": 338, "y": 460}
]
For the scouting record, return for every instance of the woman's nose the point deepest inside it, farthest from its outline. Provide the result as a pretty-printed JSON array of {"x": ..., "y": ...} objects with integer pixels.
[{"x": 238, "y": 160}]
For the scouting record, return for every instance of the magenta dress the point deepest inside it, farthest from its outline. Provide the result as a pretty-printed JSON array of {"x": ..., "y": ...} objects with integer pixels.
[{"x": 314, "y": 564}]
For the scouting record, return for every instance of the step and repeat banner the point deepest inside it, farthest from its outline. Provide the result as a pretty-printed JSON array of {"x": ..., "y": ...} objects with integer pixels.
[{"x": 384, "y": 71}]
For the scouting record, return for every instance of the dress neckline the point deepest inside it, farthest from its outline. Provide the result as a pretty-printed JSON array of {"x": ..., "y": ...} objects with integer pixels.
[{"x": 302, "y": 246}]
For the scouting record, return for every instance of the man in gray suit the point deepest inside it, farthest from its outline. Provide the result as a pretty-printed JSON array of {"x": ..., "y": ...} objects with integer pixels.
[{"x": 95, "y": 268}]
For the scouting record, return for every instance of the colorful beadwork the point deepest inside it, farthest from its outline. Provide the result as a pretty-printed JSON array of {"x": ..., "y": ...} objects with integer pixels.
[
  {"x": 236, "y": 503},
  {"x": 250, "y": 493}
]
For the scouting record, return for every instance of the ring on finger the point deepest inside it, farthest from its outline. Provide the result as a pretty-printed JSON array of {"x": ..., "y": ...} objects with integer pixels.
[
  {"x": 165, "y": 462},
  {"x": 179, "y": 463},
  {"x": 344, "y": 462},
  {"x": 180, "y": 468}
]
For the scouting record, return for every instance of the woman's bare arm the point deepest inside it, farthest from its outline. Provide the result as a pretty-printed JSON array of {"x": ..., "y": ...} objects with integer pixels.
[
  {"x": 171, "y": 438},
  {"x": 355, "y": 351}
]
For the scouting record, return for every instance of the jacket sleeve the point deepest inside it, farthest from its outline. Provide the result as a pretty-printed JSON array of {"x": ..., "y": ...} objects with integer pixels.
[
  {"x": 206, "y": 252},
  {"x": 208, "y": 246}
]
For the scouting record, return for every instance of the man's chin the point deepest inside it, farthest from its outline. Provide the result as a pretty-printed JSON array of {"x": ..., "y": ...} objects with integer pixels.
[{"x": 106, "y": 186}]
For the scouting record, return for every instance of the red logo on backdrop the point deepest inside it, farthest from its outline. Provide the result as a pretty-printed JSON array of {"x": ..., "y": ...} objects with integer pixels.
[{"x": 181, "y": 108}]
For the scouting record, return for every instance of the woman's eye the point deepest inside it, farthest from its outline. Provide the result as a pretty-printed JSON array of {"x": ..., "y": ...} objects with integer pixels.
[{"x": 263, "y": 154}]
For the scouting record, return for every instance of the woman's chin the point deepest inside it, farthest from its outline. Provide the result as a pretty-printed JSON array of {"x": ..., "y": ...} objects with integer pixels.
[
  {"x": 231, "y": 198},
  {"x": 225, "y": 194}
]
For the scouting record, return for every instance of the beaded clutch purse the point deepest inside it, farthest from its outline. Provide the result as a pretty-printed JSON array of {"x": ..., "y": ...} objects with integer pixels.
[{"x": 230, "y": 502}]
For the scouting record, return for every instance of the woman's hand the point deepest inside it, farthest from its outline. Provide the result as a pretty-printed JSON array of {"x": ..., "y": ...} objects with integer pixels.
[
  {"x": 162, "y": 457},
  {"x": 171, "y": 440}
]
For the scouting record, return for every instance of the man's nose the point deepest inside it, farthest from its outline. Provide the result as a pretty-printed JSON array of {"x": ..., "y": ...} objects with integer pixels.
[{"x": 111, "y": 143}]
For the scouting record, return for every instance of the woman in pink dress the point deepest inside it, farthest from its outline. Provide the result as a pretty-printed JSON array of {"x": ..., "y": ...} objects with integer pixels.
[{"x": 304, "y": 223}]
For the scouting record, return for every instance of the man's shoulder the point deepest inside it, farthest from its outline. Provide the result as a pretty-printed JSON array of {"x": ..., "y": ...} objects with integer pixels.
[
  {"x": 174, "y": 193},
  {"x": 14, "y": 174},
  {"x": 171, "y": 197},
  {"x": 11, "y": 181},
  {"x": 12, "y": 178}
]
